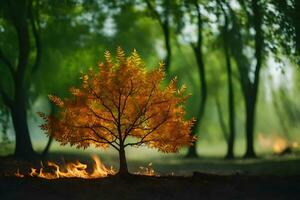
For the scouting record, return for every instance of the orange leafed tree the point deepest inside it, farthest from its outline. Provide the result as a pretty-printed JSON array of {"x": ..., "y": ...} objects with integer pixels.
[{"x": 121, "y": 100}]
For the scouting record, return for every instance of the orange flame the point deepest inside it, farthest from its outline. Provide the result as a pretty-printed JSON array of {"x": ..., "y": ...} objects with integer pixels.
[
  {"x": 18, "y": 174},
  {"x": 147, "y": 171},
  {"x": 279, "y": 145},
  {"x": 76, "y": 169},
  {"x": 79, "y": 170}
]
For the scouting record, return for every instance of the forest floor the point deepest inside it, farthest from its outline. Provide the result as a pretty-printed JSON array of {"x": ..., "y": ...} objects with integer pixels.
[{"x": 205, "y": 178}]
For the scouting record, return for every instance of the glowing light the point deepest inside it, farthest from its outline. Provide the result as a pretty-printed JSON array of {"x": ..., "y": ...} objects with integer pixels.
[
  {"x": 279, "y": 145},
  {"x": 147, "y": 171},
  {"x": 18, "y": 174},
  {"x": 79, "y": 170}
]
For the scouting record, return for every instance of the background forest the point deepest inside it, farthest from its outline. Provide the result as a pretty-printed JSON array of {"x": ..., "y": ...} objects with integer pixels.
[{"x": 239, "y": 60}]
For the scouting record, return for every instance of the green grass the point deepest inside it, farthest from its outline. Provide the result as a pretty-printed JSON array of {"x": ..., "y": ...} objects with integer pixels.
[{"x": 210, "y": 160}]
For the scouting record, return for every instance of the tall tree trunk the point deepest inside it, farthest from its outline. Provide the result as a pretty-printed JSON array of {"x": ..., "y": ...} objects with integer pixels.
[
  {"x": 164, "y": 22},
  {"x": 253, "y": 90},
  {"x": 250, "y": 119},
  {"x": 231, "y": 136},
  {"x": 166, "y": 31},
  {"x": 296, "y": 18},
  {"x": 23, "y": 147},
  {"x": 231, "y": 118},
  {"x": 18, "y": 110},
  {"x": 199, "y": 57},
  {"x": 192, "y": 152},
  {"x": 47, "y": 148},
  {"x": 123, "y": 169}
]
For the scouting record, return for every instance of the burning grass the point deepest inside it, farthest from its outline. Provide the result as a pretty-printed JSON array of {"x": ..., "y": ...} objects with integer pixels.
[
  {"x": 70, "y": 170},
  {"x": 78, "y": 169}
]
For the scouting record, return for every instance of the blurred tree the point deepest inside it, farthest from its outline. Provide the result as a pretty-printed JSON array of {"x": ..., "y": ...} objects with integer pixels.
[
  {"x": 163, "y": 19},
  {"x": 19, "y": 15},
  {"x": 194, "y": 11},
  {"x": 225, "y": 34},
  {"x": 248, "y": 75}
]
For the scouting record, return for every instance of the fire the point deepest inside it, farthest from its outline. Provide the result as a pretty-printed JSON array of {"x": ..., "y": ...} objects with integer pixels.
[
  {"x": 18, "y": 174},
  {"x": 147, "y": 171},
  {"x": 80, "y": 170},
  {"x": 71, "y": 170},
  {"x": 279, "y": 145}
]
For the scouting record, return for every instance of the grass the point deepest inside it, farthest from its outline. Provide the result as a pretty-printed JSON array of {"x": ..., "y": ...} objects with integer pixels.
[
  {"x": 208, "y": 177},
  {"x": 210, "y": 160}
]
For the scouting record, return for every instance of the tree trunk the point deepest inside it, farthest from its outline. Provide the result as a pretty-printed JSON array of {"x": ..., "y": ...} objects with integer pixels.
[
  {"x": 47, "y": 148},
  {"x": 201, "y": 69},
  {"x": 250, "y": 110},
  {"x": 231, "y": 136},
  {"x": 199, "y": 58},
  {"x": 18, "y": 109},
  {"x": 123, "y": 169},
  {"x": 23, "y": 143},
  {"x": 168, "y": 46},
  {"x": 296, "y": 18},
  {"x": 253, "y": 89},
  {"x": 166, "y": 31}
]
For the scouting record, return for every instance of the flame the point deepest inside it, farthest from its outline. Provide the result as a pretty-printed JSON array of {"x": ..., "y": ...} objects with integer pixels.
[
  {"x": 18, "y": 174},
  {"x": 76, "y": 169},
  {"x": 147, "y": 171},
  {"x": 79, "y": 170},
  {"x": 279, "y": 145}
]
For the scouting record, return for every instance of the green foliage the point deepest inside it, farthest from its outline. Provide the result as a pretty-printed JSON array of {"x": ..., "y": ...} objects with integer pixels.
[{"x": 74, "y": 33}]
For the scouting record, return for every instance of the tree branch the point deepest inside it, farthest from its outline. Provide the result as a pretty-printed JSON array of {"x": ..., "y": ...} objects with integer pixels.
[
  {"x": 154, "y": 12},
  {"x": 142, "y": 112},
  {"x": 151, "y": 130},
  {"x": 97, "y": 134},
  {"x": 102, "y": 102}
]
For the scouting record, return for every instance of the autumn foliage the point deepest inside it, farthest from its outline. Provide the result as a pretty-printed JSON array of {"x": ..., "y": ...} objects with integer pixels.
[{"x": 118, "y": 101}]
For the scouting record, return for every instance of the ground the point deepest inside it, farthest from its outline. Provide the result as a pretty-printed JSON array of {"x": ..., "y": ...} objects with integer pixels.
[
  {"x": 199, "y": 186},
  {"x": 272, "y": 178}
]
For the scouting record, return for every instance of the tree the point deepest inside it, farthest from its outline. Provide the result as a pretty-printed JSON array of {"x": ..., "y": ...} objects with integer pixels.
[
  {"x": 198, "y": 52},
  {"x": 231, "y": 107},
  {"x": 120, "y": 101},
  {"x": 20, "y": 15},
  {"x": 164, "y": 19},
  {"x": 164, "y": 22},
  {"x": 248, "y": 75}
]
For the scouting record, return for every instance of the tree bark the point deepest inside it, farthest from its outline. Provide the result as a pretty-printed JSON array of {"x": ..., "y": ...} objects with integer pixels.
[
  {"x": 23, "y": 147},
  {"x": 250, "y": 109},
  {"x": 123, "y": 169},
  {"x": 231, "y": 108},
  {"x": 19, "y": 13},
  {"x": 164, "y": 22},
  {"x": 192, "y": 152},
  {"x": 166, "y": 31},
  {"x": 47, "y": 148},
  {"x": 253, "y": 89}
]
